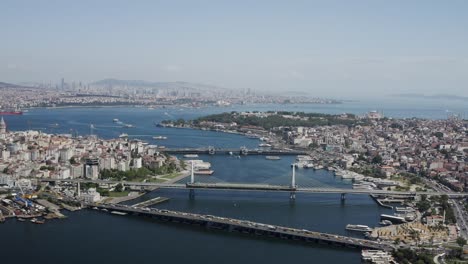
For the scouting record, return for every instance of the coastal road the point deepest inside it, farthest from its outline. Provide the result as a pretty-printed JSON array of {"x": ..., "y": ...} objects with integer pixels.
[{"x": 457, "y": 209}]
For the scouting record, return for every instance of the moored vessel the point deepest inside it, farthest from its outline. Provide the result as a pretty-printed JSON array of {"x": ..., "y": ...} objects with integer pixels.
[
  {"x": 204, "y": 172},
  {"x": 360, "y": 228}
]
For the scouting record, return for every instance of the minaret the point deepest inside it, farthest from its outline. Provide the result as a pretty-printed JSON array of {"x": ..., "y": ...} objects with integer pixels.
[{"x": 2, "y": 126}]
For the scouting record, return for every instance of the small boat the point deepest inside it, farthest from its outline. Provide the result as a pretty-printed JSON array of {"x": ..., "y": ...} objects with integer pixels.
[
  {"x": 118, "y": 213},
  {"x": 159, "y": 137},
  {"x": 203, "y": 172},
  {"x": 37, "y": 221},
  {"x": 252, "y": 136},
  {"x": 21, "y": 219},
  {"x": 115, "y": 120},
  {"x": 273, "y": 157},
  {"x": 385, "y": 222},
  {"x": 264, "y": 145},
  {"x": 190, "y": 156},
  {"x": 123, "y": 135},
  {"x": 128, "y": 126}
]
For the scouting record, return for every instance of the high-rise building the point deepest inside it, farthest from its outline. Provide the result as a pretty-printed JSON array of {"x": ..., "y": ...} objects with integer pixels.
[{"x": 2, "y": 126}]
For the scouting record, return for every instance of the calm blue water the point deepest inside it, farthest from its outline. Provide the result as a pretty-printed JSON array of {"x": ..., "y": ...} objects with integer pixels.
[{"x": 90, "y": 236}]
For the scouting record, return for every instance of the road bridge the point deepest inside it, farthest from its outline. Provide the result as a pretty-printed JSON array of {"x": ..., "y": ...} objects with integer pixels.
[
  {"x": 258, "y": 187},
  {"x": 293, "y": 188},
  {"x": 247, "y": 227},
  {"x": 233, "y": 151}
]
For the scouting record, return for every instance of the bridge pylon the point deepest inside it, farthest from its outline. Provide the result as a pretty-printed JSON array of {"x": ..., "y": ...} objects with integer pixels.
[
  {"x": 293, "y": 176},
  {"x": 292, "y": 196},
  {"x": 192, "y": 174}
]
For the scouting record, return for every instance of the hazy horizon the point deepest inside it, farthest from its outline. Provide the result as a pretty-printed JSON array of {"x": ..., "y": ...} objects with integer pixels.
[{"x": 325, "y": 48}]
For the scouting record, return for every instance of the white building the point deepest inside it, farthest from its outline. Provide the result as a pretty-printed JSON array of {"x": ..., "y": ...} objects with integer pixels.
[
  {"x": 91, "y": 196},
  {"x": 66, "y": 154},
  {"x": 64, "y": 173},
  {"x": 6, "y": 180},
  {"x": 137, "y": 163},
  {"x": 76, "y": 171}
]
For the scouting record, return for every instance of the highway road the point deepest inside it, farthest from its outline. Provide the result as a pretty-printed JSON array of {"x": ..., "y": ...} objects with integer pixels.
[{"x": 459, "y": 211}]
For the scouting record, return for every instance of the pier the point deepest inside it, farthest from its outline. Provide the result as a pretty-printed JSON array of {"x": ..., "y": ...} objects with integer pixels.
[
  {"x": 247, "y": 227},
  {"x": 151, "y": 202}
]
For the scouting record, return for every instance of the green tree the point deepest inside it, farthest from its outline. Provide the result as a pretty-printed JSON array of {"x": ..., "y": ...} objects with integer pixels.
[
  {"x": 461, "y": 241},
  {"x": 377, "y": 159},
  {"x": 118, "y": 188},
  {"x": 439, "y": 135}
]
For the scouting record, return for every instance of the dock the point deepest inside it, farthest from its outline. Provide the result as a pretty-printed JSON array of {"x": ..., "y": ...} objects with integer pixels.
[
  {"x": 246, "y": 227},
  {"x": 379, "y": 202},
  {"x": 151, "y": 202}
]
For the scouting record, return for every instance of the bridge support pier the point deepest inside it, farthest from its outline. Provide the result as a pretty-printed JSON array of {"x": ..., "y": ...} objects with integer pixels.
[
  {"x": 343, "y": 197},
  {"x": 292, "y": 196},
  {"x": 192, "y": 194}
]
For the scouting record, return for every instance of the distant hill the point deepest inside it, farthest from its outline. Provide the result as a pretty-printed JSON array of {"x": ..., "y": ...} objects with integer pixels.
[
  {"x": 9, "y": 85},
  {"x": 434, "y": 96},
  {"x": 162, "y": 85}
]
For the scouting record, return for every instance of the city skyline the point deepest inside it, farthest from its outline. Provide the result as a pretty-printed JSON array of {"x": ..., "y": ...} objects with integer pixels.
[{"x": 329, "y": 49}]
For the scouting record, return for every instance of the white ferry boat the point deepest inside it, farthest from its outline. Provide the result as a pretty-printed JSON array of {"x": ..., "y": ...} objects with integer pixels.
[
  {"x": 203, "y": 172},
  {"x": 304, "y": 158},
  {"x": 190, "y": 156},
  {"x": 273, "y": 157},
  {"x": 360, "y": 228},
  {"x": 159, "y": 137},
  {"x": 123, "y": 135}
]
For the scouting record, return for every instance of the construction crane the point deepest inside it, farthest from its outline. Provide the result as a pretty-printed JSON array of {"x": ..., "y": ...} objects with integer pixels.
[{"x": 23, "y": 197}]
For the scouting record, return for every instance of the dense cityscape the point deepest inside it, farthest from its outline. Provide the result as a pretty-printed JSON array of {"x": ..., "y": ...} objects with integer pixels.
[
  {"x": 375, "y": 152},
  {"x": 112, "y": 92}
]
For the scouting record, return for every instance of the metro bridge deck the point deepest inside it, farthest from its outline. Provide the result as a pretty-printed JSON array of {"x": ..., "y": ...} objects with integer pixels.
[{"x": 243, "y": 226}]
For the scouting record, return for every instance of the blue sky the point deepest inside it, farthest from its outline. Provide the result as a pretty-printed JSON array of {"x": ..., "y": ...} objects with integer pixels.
[{"x": 327, "y": 48}]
